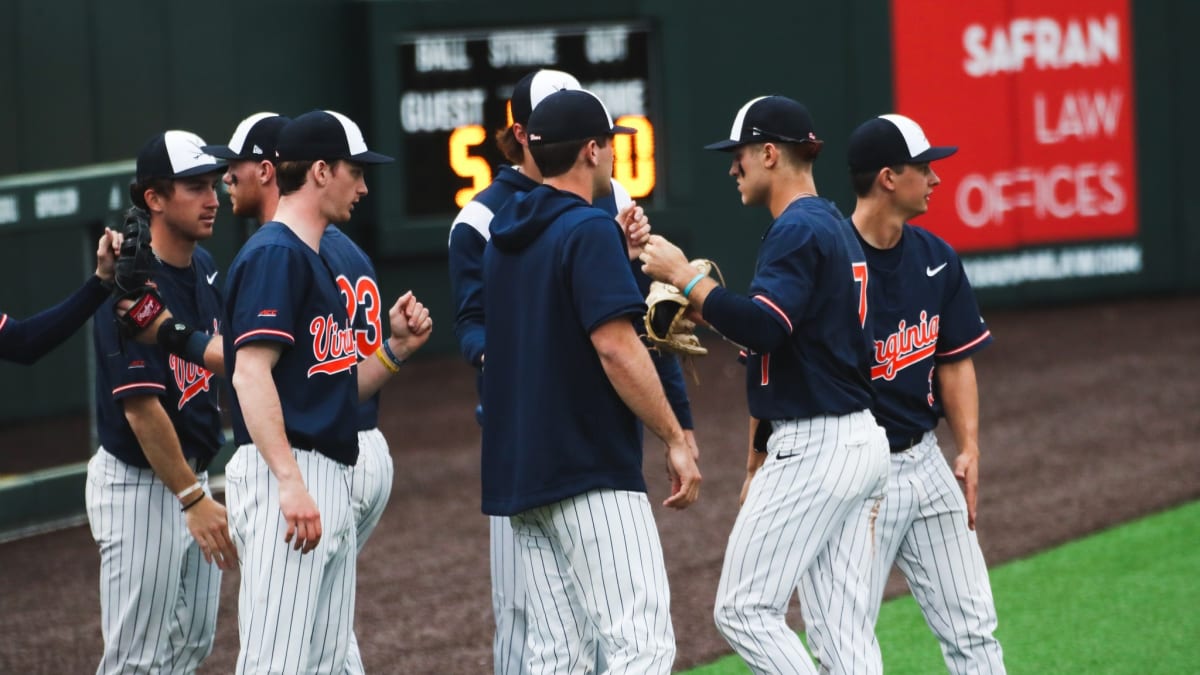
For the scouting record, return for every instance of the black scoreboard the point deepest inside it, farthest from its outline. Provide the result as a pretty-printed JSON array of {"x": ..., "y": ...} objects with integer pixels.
[{"x": 453, "y": 98}]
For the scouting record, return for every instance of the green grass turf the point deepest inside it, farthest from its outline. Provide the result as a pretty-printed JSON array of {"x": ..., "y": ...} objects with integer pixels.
[{"x": 1126, "y": 600}]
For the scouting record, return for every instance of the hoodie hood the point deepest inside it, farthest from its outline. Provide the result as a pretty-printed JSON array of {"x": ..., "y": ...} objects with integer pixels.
[{"x": 526, "y": 216}]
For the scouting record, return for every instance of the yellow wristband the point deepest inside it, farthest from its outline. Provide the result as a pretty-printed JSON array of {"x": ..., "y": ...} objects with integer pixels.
[{"x": 387, "y": 363}]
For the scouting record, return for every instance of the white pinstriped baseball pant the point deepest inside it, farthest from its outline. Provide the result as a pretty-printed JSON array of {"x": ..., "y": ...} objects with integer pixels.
[
  {"x": 295, "y": 610},
  {"x": 812, "y": 499},
  {"x": 370, "y": 488},
  {"x": 158, "y": 597},
  {"x": 596, "y": 559},
  {"x": 922, "y": 526}
]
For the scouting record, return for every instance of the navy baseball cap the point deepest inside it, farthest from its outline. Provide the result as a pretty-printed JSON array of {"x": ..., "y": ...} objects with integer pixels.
[
  {"x": 531, "y": 89},
  {"x": 768, "y": 118},
  {"x": 175, "y": 154},
  {"x": 891, "y": 140},
  {"x": 571, "y": 115},
  {"x": 327, "y": 135},
  {"x": 254, "y": 138}
]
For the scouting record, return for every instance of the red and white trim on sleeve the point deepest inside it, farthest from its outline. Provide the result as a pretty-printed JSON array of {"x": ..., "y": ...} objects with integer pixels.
[
  {"x": 967, "y": 346},
  {"x": 264, "y": 331},
  {"x": 3, "y": 320},
  {"x": 139, "y": 385},
  {"x": 767, "y": 301}
]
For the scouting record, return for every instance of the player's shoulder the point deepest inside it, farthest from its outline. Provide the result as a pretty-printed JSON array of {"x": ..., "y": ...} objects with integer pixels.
[
  {"x": 928, "y": 242},
  {"x": 202, "y": 259}
]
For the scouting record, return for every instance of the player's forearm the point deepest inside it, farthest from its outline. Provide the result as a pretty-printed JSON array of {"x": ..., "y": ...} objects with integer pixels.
[
  {"x": 29, "y": 340},
  {"x": 628, "y": 367},
  {"x": 742, "y": 320},
  {"x": 263, "y": 414},
  {"x": 960, "y": 400},
  {"x": 160, "y": 444}
]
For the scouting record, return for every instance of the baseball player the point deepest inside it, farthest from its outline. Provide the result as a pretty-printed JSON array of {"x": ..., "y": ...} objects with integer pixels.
[
  {"x": 567, "y": 376},
  {"x": 927, "y": 326},
  {"x": 250, "y": 181},
  {"x": 818, "y": 461},
  {"x": 297, "y": 380},
  {"x": 163, "y": 540},
  {"x": 26, "y": 341},
  {"x": 468, "y": 237}
]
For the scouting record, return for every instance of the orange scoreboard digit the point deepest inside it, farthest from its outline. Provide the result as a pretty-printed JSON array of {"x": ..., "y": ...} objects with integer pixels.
[{"x": 454, "y": 91}]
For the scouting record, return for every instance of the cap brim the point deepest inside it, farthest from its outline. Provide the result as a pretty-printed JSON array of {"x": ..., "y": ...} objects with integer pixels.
[
  {"x": 618, "y": 129},
  {"x": 936, "y": 152},
  {"x": 370, "y": 158},
  {"x": 201, "y": 170},
  {"x": 724, "y": 145},
  {"x": 220, "y": 151}
]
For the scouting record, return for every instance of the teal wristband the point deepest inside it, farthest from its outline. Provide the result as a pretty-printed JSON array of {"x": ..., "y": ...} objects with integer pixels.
[
  {"x": 687, "y": 290},
  {"x": 387, "y": 349}
]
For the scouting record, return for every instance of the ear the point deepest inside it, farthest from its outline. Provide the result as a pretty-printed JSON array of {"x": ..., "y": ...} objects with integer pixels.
[
  {"x": 266, "y": 172},
  {"x": 321, "y": 172},
  {"x": 770, "y": 155},
  {"x": 886, "y": 178},
  {"x": 520, "y": 134},
  {"x": 591, "y": 153},
  {"x": 155, "y": 203}
]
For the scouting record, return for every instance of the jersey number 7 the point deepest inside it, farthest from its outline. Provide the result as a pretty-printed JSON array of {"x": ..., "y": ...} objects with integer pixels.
[{"x": 860, "y": 275}]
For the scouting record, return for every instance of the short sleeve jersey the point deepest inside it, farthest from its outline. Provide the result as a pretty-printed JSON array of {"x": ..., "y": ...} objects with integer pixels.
[
  {"x": 555, "y": 425},
  {"x": 807, "y": 278},
  {"x": 359, "y": 287},
  {"x": 922, "y": 312},
  {"x": 187, "y": 391},
  {"x": 281, "y": 291}
]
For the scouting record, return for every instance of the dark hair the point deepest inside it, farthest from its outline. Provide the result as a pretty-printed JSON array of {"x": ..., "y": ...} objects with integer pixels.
[
  {"x": 510, "y": 147},
  {"x": 555, "y": 159},
  {"x": 290, "y": 176},
  {"x": 862, "y": 181},
  {"x": 800, "y": 154},
  {"x": 137, "y": 190}
]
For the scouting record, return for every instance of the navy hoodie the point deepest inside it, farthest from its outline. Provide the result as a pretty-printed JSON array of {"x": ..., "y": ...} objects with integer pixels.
[{"x": 555, "y": 269}]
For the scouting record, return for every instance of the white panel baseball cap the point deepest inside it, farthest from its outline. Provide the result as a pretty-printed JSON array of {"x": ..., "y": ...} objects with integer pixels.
[{"x": 891, "y": 140}]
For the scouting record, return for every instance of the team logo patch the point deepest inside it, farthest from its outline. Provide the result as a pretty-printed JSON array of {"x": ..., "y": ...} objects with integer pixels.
[
  {"x": 907, "y": 346},
  {"x": 333, "y": 346},
  {"x": 137, "y": 364},
  {"x": 268, "y": 313},
  {"x": 190, "y": 379}
]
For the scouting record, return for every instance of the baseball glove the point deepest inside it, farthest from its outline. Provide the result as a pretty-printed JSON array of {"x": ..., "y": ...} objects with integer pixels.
[
  {"x": 667, "y": 327},
  {"x": 133, "y": 286}
]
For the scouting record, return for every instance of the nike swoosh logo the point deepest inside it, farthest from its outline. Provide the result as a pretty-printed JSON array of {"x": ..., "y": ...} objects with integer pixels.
[
  {"x": 210, "y": 277},
  {"x": 932, "y": 271}
]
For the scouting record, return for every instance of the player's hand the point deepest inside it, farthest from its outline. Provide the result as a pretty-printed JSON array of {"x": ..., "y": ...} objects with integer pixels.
[
  {"x": 755, "y": 463},
  {"x": 636, "y": 228},
  {"x": 684, "y": 475},
  {"x": 209, "y": 525},
  {"x": 302, "y": 516},
  {"x": 966, "y": 470},
  {"x": 107, "y": 250},
  {"x": 410, "y": 323},
  {"x": 664, "y": 261}
]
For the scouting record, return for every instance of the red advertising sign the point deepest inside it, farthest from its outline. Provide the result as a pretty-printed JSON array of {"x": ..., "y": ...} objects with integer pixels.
[{"x": 1037, "y": 94}]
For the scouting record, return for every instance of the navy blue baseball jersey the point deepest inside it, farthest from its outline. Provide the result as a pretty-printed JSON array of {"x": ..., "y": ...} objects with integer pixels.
[
  {"x": 187, "y": 391},
  {"x": 922, "y": 311},
  {"x": 281, "y": 291},
  {"x": 26, "y": 341},
  {"x": 359, "y": 286},
  {"x": 468, "y": 237},
  {"x": 555, "y": 425},
  {"x": 808, "y": 279}
]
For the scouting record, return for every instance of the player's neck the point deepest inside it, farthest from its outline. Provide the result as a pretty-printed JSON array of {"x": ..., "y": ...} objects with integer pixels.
[
  {"x": 789, "y": 188},
  {"x": 878, "y": 224},
  {"x": 576, "y": 181},
  {"x": 169, "y": 246},
  {"x": 302, "y": 218},
  {"x": 268, "y": 207}
]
